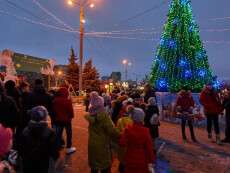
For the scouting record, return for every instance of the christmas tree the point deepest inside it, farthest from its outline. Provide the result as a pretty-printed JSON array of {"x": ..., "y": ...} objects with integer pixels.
[
  {"x": 91, "y": 80},
  {"x": 180, "y": 57},
  {"x": 72, "y": 76}
]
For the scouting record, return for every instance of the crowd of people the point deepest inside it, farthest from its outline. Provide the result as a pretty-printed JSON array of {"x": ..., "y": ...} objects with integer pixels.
[{"x": 122, "y": 124}]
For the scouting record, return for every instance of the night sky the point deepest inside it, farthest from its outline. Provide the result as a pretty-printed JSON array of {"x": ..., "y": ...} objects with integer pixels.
[{"x": 111, "y": 15}]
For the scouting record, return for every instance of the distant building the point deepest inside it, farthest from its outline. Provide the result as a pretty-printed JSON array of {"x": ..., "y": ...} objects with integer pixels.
[
  {"x": 115, "y": 76},
  {"x": 25, "y": 65},
  {"x": 105, "y": 78}
]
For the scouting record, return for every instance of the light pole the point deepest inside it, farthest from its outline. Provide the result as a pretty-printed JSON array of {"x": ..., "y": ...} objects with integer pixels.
[
  {"x": 82, "y": 5},
  {"x": 126, "y": 63}
]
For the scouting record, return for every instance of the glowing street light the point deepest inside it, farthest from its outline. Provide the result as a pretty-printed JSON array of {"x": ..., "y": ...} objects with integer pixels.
[
  {"x": 59, "y": 73},
  {"x": 83, "y": 4},
  {"x": 70, "y": 2},
  {"x": 125, "y": 61},
  {"x": 92, "y": 5}
]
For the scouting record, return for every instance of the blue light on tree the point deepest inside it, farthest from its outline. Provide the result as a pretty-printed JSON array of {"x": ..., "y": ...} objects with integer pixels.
[
  {"x": 200, "y": 54},
  {"x": 190, "y": 28},
  {"x": 171, "y": 44},
  {"x": 184, "y": 2},
  {"x": 163, "y": 66},
  {"x": 157, "y": 59},
  {"x": 183, "y": 62},
  {"x": 216, "y": 84},
  {"x": 202, "y": 72},
  {"x": 162, "y": 41},
  {"x": 162, "y": 84},
  {"x": 175, "y": 21},
  {"x": 188, "y": 74}
]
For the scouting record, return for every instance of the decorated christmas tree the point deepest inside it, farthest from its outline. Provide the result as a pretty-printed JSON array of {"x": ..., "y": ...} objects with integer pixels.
[
  {"x": 72, "y": 76},
  {"x": 91, "y": 80},
  {"x": 180, "y": 57}
]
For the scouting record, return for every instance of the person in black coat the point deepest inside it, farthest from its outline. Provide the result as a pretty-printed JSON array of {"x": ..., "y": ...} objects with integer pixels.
[
  {"x": 38, "y": 143},
  {"x": 8, "y": 110},
  {"x": 13, "y": 92},
  {"x": 149, "y": 92},
  {"x": 152, "y": 110},
  {"x": 40, "y": 97},
  {"x": 226, "y": 105}
]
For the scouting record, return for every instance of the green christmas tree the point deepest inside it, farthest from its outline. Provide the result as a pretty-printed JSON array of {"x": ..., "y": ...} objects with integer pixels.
[
  {"x": 180, "y": 57},
  {"x": 72, "y": 76},
  {"x": 91, "y": 77}
]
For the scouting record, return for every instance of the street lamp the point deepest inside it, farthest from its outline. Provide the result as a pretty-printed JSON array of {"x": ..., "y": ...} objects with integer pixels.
[
  {"x": 126, "y": 63},
  {"x": 82, "y": 4}
]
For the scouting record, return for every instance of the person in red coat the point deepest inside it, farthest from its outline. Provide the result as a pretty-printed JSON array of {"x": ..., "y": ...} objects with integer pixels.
[
  {"x": 139, "y": 156},
  {"x": 63, "y": 115},
  {"x": 212, "y": 108},
  {"x": 185, "y": 105}
]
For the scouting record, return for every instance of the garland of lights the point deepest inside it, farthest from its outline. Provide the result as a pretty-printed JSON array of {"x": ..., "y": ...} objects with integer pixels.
[{"x": 180, "y": 57}]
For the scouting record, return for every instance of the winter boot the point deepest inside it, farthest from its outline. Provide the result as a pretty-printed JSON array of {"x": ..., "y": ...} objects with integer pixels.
[{"x": 218, "y": 141}]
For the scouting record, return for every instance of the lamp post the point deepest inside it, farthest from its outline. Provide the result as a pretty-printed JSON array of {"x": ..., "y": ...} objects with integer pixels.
[
  {"x": 82, "y": 5},
  {"x": 126, "y": 63}
]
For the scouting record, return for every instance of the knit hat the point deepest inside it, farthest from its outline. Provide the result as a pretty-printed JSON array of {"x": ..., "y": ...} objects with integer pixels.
[
  {"x": 96, "y": 103},
  {"x": 152, "y": 101},
  {"x": 38, "y": 113},
  {"x": 6, "y": 135},
  {"x": 137, "y": 115}
]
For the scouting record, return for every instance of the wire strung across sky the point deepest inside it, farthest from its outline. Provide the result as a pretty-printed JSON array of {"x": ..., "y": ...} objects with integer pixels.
[
  {"x": 52, "y": 15},
  {"x": 119, "y": 34},
  {"x": 36, "y": 22}
]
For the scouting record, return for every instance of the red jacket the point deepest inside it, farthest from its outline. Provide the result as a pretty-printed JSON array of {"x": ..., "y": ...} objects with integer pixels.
[
  {"x": 62, "y": 107},
  {"x": 138, "y": 142},
  {"x": 211, "y": 102},
  {"x": 185, "y": 100}
]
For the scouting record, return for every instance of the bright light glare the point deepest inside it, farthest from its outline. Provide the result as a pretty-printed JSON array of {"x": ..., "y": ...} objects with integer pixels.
[
  {"x": 92, "y": 5},
  {"x": 83, "y": 21},
  {"x": 60, "y": 72},
  {"x": 125, "y": 61},
  {"x": 70, "y": 2}
]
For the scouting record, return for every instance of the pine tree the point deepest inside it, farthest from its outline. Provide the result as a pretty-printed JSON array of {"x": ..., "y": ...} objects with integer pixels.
[
  {"x": 91, "y": 80},
  {"x": 72, "y": 76},
  {"x": 180, "y": 58}
]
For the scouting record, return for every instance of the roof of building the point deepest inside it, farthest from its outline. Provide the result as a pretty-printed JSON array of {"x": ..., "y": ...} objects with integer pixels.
[{"x": 29, "y": 63}]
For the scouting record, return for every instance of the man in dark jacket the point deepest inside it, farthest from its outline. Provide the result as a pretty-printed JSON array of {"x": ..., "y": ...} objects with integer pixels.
[
  {"x": 226, "y": 104},
  {"x": 40, "y": 97},
  {"x": 148, "y": 92},
  {"x": 8, "y": 110},
  {"x": 38, "y": 143},
  {"x": 210, "y": 100}
]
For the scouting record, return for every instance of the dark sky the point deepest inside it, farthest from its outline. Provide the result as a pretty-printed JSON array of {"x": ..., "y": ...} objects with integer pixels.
[{"x": 111, "y": 15}]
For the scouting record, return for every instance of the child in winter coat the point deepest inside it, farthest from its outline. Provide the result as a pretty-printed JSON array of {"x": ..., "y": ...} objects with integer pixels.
[
  {"x": 38, "y": 143},
  {"x": 152, "y": 118},
  {"x": 6, "y": 135},
  {"x": 139, "y": 156},
  {"x": 101, "y": 131},
  {"x": 123, "y": 123}
]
